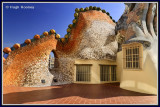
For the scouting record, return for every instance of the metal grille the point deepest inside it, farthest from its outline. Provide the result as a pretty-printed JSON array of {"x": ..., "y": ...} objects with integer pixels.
[
  {"x": 132, "y": 55},
  {"x": 105, "y": 74},
  {"x": 132, "y": 58},
  {"x": 83, "y": 73},
  {"x": 113, "y": 73},
  {"x": 108, "y": 73}
]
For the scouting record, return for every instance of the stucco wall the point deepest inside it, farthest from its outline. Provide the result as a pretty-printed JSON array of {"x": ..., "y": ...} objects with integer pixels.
[
  {"x": 95, "y": 69},
  {"x": 138, "y": 24},
  {"x": 119, "y": 65},
  {"x": 144, "y": 80}
]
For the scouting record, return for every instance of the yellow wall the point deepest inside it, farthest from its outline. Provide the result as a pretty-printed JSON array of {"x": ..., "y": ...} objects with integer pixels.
[
  {"x": 144, "y": 80},
  {"x": 95, "y": 69},
  {"x": 119, "y": 65}
]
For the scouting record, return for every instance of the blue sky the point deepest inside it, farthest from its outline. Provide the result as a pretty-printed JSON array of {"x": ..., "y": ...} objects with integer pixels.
[{"x": 21, "y": 24}]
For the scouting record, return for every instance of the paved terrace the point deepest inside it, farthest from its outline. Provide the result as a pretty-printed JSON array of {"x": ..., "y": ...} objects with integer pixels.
[{"x": 75, "y": 94}]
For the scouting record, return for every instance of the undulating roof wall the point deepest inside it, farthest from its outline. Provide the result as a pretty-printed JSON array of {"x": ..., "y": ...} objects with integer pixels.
[{"x": 91, "y": 36}]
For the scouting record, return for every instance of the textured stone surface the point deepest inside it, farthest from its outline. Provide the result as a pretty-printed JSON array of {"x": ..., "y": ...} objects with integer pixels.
[
  {"x": 92, "y": 38},
  {"x": 139, "y": 24},
  {"x": 64, "y": 73},
  {"x": 138, "y": 20},
  {"x": 92, "y": 28},
  {"x": 4, "y": 59},
  {"x": 28, "y": 66},
  {"x": 93, "y": 44}
]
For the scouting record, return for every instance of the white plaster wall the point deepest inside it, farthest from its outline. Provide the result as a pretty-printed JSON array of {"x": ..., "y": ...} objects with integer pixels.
[{"x": 144, "y": 80}]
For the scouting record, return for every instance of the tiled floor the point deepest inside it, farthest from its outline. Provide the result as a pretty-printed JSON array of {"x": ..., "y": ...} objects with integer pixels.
[{"x": 75, "y": 94}]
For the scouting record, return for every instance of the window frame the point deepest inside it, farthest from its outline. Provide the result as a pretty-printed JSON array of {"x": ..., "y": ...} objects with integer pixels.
[
  {"x": 129, "y": 52},
  {"x": 110, "y": 73},
  {"x": 84, "y": 73}
]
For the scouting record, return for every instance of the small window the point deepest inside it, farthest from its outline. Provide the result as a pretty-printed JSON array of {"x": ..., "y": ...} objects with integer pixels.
[
  {"x": 132, "y": 56},
  {"x": 83, "y": 73},
  {"x": 108, "y": 72},
  {"x": 104, "y": 73}
]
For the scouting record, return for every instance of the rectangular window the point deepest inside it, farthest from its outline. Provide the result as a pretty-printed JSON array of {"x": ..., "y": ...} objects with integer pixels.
[
  {"x": 132, "y": 56},
  {"x": 83, "y": 73},
  {"x": 108, "y": 73}
]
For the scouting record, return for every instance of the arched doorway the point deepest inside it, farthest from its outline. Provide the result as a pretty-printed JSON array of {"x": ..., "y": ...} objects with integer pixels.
[
  {"x": 53, "y": 60},
  {"x": 53, "y": 65}
]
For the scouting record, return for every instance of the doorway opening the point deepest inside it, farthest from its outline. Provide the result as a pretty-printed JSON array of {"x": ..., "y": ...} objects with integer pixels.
[
  {"x": 51, "y": 61},
  {"x": 53, "y": 65}
]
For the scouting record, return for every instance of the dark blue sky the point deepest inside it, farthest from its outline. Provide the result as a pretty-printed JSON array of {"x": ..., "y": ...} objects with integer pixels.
[{"x": 21, "y": 24}]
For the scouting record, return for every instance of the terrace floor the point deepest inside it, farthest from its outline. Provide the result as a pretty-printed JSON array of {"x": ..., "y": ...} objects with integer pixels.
[{"x": 75, "y": 94}]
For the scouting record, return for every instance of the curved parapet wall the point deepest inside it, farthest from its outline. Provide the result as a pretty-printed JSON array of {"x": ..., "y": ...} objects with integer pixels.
[
  {"x": 91, "y": 32},
  {"x": 28, "y": 66},
  {"x": 76, "y": 22},
  {"x": 91, "y": 36}
]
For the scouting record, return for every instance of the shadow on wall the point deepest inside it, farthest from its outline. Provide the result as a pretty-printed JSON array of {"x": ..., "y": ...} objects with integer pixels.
[
  {"x": 144, "y": 81},
  {"x": 56, "y": 61},
  {"x": 90, "y": 91},
  {"x": 139, "y": 86},
  {"x": 150, "y": 68}
]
